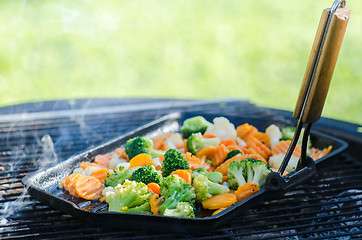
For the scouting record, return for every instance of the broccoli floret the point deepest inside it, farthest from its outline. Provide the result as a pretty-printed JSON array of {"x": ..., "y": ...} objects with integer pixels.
[
  {"x": 138, "y": 145},
  {"x": 258, "y": 170},
  {"x": 288, "y": 133},
  {"x": 237, "y": 174},
  {"x": 173, "y": 161},
  {"x": 196, "y": 142},
  {"x": 194, "y": 125},
  {"x": 212, "y": 176},
  {"x": 131, "y": 196},
  {"x": 147, "y": 174},
  {"x": 183, "y": 209},
  {"x": 233, "y": 153},
  {"x": 175, "y": 190},
  {"x": 119, "y": 177},
  {"x": 248, "y": 170},
  {"x": 206, "y": 189}
]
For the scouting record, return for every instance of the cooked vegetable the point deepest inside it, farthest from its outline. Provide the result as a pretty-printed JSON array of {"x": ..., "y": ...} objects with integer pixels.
[
  {"x": 103, "y": 159},
  {"x": 246, "y": 190},
  {"x": 175, "y": 190},
  {"x": 146, "y": 174},
  {"x": 100, "y": 174},
  {"x": 205, "y": 188},
  {"x": 155, "y": 203},
  {"x": 288, "y": 133},
  {"x": 222, "y": 128},
  {"x": 248, "y": 170},
  {"x": 215, "y": 177},
  {"x": 119, "y": 177},
  {"x": 131, "y": 197},
  {"x": 237, "y": 174},
  {"x": 245, "y": 131},
  {"x": 259, "y": 147},
  {"x": 140, "y": 145},
  {"x": 88, "y": 188},
  {"x": 183, "y": 209},
  {"x": 196, "y": 142},
  {"x": 173, "y": 161},
  {"x": 140, "y": 160},
  {"x": 184, "y": 174},
  {"x": 276, "y": 160},
  {"x": 274, "y": 134},
  {"x": 194, "y": 125},
  {"x": 154, "y": 188},
  {"x": 219, "y": 201}
]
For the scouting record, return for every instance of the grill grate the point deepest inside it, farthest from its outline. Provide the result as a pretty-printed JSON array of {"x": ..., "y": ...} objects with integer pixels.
[{"x": 328, "y": 206}]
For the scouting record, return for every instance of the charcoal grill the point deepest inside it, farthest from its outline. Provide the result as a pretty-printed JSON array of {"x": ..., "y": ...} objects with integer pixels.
[{"x": 34, "y": 134}]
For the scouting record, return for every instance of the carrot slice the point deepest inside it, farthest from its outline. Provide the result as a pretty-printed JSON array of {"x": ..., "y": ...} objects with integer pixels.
[
  {"x": 184, "y": 174},
  {"x": 263, "y": 137},
  {"x": 88, "y": 188},
  {"x": 282, "y": 148},
  {"x": 220, "y": 155},
  {"x": 317, "y": 154},
  {"x": 84, "y": 165},
  {"x": 100, "y": 174},
  {"x": 209, "y": 135},
  {"x": 154, "y": 188},
  {"x": 206, "y": 152},
  {"x": 245, "y": 131},
  {"x": 218, "y": 211},
  {"x": 259, "y": 147},
  {"x": 142, "y": 159},
  {"x": 69, "y": 183},
  {"x": 103, "y": 159},
  {"x": 219, "y": 201},
  {"x": 246, "y": 190},
  {"x": 155, "y": 203},
  {"x": 228, "y": 142}
]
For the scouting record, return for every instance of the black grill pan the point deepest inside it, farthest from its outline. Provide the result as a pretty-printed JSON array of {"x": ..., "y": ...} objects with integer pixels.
[{"x": 43, "y": 185}]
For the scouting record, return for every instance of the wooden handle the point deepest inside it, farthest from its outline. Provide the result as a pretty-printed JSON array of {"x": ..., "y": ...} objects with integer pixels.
[{"x": 325, "y": 68}]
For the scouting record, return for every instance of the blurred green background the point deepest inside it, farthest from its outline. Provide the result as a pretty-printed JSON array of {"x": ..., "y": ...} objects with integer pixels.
[{"x": 251, "y": 49}]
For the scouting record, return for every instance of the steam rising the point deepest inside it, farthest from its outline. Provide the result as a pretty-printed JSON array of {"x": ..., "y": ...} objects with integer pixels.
[{"x": 48, "y": 156}]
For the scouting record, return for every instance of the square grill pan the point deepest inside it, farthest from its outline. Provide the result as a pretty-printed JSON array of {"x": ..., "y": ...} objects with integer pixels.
[{"x": 43, "y": 184}]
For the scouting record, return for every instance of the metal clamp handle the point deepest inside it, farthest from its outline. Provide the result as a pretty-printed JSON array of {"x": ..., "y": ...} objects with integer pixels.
[{"x": 318, "y": 75}]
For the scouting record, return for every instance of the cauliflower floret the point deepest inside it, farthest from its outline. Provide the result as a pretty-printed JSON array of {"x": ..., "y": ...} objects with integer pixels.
[
  {"x": 124, "y": 164},
  {"x": 78, "y": 170},
  {"x": 222, "y": 128},
  {"x": 274, "y": 134},
  {"x": 108, "y": 190},
  {"x": 174, "y": 140},
  {"x": 115, "y": 161},
  {"x": 276, "y": 160}
]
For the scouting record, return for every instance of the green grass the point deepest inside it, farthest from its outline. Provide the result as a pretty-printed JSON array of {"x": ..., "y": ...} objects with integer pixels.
[{"x": 255, "y": 50}]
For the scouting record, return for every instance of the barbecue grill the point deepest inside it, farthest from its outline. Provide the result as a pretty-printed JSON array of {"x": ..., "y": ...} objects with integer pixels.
[{"x": 34, "y": 135}]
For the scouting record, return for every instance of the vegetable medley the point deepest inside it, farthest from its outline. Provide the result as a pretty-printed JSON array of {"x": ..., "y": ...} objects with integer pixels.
[{"x": 208, "y": 165}]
